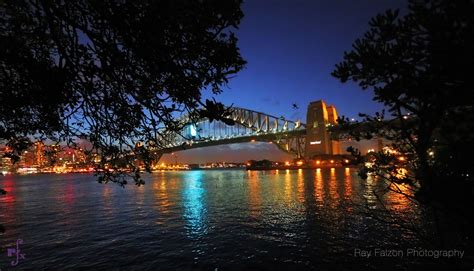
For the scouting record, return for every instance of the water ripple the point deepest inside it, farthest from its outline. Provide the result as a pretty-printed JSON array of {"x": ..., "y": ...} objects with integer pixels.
[{"x": 193, "y": 219}]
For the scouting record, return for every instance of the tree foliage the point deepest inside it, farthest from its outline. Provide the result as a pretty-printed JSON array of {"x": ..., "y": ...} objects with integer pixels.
[
  {"x": 116, "y": 73},
  {"x": 419, "y": 66}
]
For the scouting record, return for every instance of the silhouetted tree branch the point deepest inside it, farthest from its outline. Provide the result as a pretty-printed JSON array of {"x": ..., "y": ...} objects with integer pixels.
[
  {"x": 416, "y": 66},
  {"x": 116, "y": 73}
]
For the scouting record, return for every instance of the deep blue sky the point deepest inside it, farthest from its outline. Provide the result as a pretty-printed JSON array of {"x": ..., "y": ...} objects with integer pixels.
[{"x": 291, "y": 48}]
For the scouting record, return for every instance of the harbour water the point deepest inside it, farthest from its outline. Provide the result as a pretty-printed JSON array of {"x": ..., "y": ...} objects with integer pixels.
[{"x": 202, "y": 220}]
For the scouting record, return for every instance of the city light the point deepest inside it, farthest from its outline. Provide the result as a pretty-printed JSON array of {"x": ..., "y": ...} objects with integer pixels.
[
  {"x": 390, "y": 150},
  {"x": 369, "y": 164},
  {"x": 192, "y": 130},
  {"x": 400, "y": 173}
]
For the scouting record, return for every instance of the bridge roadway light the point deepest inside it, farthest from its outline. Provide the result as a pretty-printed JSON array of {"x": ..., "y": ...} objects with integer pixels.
[{"x": 192, "y": 130}]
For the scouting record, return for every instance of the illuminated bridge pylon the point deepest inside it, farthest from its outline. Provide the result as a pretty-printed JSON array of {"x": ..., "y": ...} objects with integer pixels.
[{"x": 250, "y": 126}]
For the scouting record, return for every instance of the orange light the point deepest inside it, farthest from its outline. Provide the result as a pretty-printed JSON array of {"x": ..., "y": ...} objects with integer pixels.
[
  {"x": 332, "y": 161},
  {"x": 346, "y": 161},
  {"x": 299, "y": 163},
  {"x": 401, "y": 158},
  {"x": 400, "y": 173},
  {"x": 318, "y": 162},
  {"x": 287, "y": 163}
]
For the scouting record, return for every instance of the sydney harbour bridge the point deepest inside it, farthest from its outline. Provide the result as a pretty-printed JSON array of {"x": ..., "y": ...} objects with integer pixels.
[{"x": 291, "y": 136}]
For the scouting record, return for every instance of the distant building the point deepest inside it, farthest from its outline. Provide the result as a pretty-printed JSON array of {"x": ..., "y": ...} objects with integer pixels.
[
  {"x": 39, "y": 151},
  {"x": 6, "y": 164}
]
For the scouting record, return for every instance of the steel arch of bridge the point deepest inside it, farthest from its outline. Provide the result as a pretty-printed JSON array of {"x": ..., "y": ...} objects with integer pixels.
[{"x": 250, "y": 125}]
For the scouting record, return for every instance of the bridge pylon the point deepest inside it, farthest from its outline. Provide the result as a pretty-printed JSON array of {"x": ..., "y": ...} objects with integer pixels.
[{"x": 319, "y": 118}]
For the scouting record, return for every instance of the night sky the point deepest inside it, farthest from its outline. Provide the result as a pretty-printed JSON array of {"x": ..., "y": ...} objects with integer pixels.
[{"x": 291, "y": 48}]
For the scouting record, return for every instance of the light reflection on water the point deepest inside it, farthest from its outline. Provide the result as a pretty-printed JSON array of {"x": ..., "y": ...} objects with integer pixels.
[
  {"x": 333, "y": 193},
  {"x": 319, "y": 186},
  {"x": 255, "y": 200},
  {"x": 194, "y": 206},
  {"x": 347, "y": 183},
  {"x": 204, "y": 219}
]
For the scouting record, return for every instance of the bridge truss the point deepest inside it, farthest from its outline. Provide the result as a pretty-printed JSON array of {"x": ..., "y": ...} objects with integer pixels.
[{"x": 250, "y": 126}]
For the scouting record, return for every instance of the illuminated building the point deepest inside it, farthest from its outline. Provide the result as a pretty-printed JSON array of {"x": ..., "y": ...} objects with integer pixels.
[
  {"x": 319, "y": 118},
  {"x": 5, "y": 162},
  {"x": 39, "y": 151}
]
